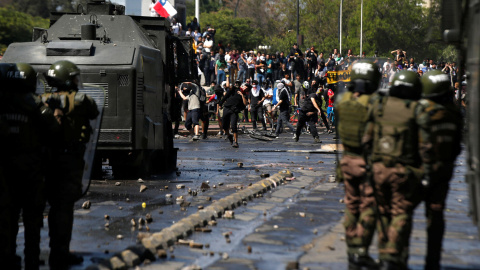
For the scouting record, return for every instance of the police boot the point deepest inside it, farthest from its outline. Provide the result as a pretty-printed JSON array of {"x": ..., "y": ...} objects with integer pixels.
[
  {"x": 364, "y": 262},
  {"x": 389, "y": 265}
]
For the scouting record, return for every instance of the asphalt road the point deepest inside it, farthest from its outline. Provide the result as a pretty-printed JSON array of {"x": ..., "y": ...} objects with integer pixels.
[{"x": 295, "y": 225}]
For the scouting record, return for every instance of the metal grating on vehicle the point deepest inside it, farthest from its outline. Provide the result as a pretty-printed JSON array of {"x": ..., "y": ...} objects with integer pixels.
[
  {"x": 123, "y": 80},
  {"x": 93, "y": 92},
  {"x": 115, "y": 136},
  {"x": 139, "y": 93}
]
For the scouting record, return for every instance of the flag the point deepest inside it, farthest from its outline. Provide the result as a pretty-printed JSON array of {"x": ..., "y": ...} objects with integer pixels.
[{"x": 164, "y": 8}]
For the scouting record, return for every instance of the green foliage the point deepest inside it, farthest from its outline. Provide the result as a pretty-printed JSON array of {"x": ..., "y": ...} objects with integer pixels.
[
  {"x": 236, "y": 31},
  {"x": 17, "y": 26}
]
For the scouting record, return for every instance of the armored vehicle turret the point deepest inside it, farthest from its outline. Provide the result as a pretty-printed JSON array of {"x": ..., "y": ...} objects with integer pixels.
[{"x": 137, "y": 61}]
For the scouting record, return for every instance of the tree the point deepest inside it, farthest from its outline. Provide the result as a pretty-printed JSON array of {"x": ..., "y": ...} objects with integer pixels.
[{"x": 17, "y": 26}]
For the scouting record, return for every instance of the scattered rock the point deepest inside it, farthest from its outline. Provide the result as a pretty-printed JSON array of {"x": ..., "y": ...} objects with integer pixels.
[
  {"x": 160, "y": 212},
  {"x": 107, "y": 217},
  {"x": 212, "y": 223},
  {"x": 240, "y": 164},
  {"x": 212, "y": 253},
  {"x": 120, "y": 208},
  {"x": 184, "y": 204},
  {"x": 141, "y": 221},
  {"x": 168, "y": 196},
  {"x": 207, "y": 245},
  {"x": 194, "y": 193},
  {"x": 257, "y": 170},
  {"x": 178, "y": 173},
  {"x": 204, "y": 186},
  {"x": 203, "y": 230},
  {"x": 132, "y": 221},
  {"x": 225, "y": 256},
  {"x": 184, "y": 242},
  {"x": 86, "y": 205},
  {"x": 315, "y": 231},
  {"x": 265, "y": 175},
  {"x": 220, "y": 184},
  {"x": 179, "y": 200},
  {"x": 107, "y": 225},
  {"x": 249, "y": 249},
  {"x": 180, "y": 186},
  {"x": 196, "y": 245},
  {"x": 307, "y": 157},
  {"x": 118, "y": 184},
  {"x": 228, "y": 174},
  {"x": 301, "y": 214},
  {"x": 264, "y": 212},
  {"x": 341, "y": 200},
  {"x": 165, "y": 187},
  {"x": 331, "y": 248},
  {"x": 119, "y": 237},
  {"x": 320, "y": 162},
  {"x": 342, "y": 238},
  {"x": 140, "y": 180},
  {"x": 143, "y": 188},
  {"x": 214, "y": 186},
  {"x": 148, "y": 218},
  {"x": 275, "y": 226},
  {"x": 200, "y": 207}
]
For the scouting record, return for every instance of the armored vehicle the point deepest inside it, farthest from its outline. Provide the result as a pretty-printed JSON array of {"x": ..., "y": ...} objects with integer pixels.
[
  {"x": 137, "y": 61},
  {"x": 461, "y": 27}
]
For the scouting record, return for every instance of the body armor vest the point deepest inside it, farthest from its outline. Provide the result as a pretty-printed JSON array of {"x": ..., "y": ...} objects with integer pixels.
[
  {"x": 75, "y": 125},
  {"x": 20, "y": 118},
  {"x": 444, "y": 125},
  {"x": 395, "y": 130},
  {"x": 353, "y": 115}
]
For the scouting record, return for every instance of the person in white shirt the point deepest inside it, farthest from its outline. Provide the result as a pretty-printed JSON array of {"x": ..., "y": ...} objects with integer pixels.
[
  {"x": 153, "y": 13},
  {"x": 267, "y": 102},
  {"x": 176, "y": 27},
  {"x": 208, "y": 44}
]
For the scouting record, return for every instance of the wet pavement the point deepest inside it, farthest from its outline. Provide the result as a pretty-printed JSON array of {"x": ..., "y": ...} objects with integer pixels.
[{"x": 295, "y": 225}]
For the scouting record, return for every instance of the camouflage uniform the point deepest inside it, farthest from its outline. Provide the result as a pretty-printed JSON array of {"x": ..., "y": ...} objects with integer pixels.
[
  {"x": 359, "y": 213},
  {"x": 441, "y": 132},
  {"x": 30, "y": 123},
  {"x": 352, "y": 115},
  {"x": 64, "y": 178},
  {"x": 392, "y": 132}
]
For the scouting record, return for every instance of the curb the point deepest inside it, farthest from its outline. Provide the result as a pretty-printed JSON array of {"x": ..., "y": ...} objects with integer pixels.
[{"x": 135, "y": 255}]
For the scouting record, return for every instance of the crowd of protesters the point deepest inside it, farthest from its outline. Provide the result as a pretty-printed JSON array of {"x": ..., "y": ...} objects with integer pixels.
[{"x": 219, "y": 64}]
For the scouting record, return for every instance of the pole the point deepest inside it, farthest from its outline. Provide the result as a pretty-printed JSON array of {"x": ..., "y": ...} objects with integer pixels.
[
  {"x": 298, "y": 21},
  {"x": 361, "y": 28},
  {"x": 340, "y": 27},
  {"x": 197, "y": 12}
]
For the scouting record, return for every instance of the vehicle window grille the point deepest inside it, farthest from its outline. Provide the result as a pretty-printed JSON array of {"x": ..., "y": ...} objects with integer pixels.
[
  {"x": 123, "y": 80},
  {"x": 94, "y": 93}
]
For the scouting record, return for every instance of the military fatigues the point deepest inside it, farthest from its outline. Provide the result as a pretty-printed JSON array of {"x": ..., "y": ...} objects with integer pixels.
[
  {"x": 29, "y": 125},
  {"x": 359, "y": 213},
  {"x": 440, "y": 128},
  {"x": 64, "y": 177},
  {"x": 393, "y": 133}
]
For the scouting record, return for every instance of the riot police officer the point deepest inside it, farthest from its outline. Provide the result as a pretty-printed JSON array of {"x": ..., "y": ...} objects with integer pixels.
[
  {"x": 352, "y": 112},
  {"x": 392, "y": 134},
  {"x": 29, "y": 126},
  {"x": 64, "y": 178},
  {"x": 441, "y": 132}
]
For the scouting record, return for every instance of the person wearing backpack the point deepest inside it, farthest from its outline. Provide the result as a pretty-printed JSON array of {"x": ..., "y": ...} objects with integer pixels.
[{"x": 194, "y": 98}]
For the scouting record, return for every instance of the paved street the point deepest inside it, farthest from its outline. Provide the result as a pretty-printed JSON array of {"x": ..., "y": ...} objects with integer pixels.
[{"x": 295, "y": 225}]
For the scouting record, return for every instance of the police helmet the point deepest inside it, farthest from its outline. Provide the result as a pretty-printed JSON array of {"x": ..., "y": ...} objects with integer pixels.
[
  {"x": 306, "y": 85},
  {"x": 435, "y": 83},
  {"x": 63, "y": 74},
  {"x": 20, "y": 75},
  {"x": 406, "y": 85},
  {"x": 365, "y": 77}
]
